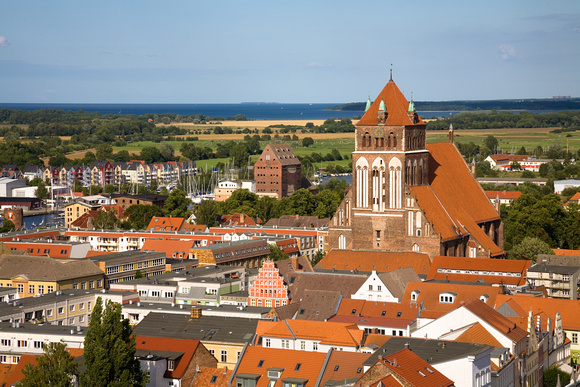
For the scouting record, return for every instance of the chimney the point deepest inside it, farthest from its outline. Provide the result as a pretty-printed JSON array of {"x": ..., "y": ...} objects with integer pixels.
[
  {"x": 195, "y": 312},
  {"x": 451, "y": 133}
]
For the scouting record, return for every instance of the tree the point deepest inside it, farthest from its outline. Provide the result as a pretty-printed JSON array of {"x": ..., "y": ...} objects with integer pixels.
[
  {"x": 151, "y": 154},
  {"x": 276, "y": 254},
  {"x": 110, "y": 349},
  {"x": 7, "y": 226},
  {"x": 207, "y": 213},
  {"x": 326, "y": 203},
  {"x": 307, "y": 141},
  {"x": 105, "y": 220},
  {"x": 139, "y": 216},
  {"x": 167, "y": 151},
  {"x": 177, "y": 204},
  {"x": 104, "y": 151},
  {"x": 529, "y": 249},
  {"x": 56, "y": 367},
  {"x": 317, "y": 257},
  {"x": 491, "y": 143},
  {"x": 42, "y": 191},
  {"x": 551, "y": 377},
  {"x": 138, "y": 274},
  {"x": 515, "y": 166}
]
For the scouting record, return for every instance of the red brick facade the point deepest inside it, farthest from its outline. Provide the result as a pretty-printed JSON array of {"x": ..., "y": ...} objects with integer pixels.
[
  {"x": 278, "y": 171},
  {"x": 406, "y": 196},
  {"x": 268, "y": 289}
]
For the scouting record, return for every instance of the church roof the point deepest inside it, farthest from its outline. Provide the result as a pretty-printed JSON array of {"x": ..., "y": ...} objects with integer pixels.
[
  {"x": 454, "y": 201},
  {"x": 396, "y": 105}
]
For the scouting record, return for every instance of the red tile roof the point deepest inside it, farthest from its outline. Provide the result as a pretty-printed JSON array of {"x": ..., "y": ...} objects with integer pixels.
[
  {"x": 396, "y": 104},
  {"x": 257, "y": 361},
  {"x": 454, "y": 202},
  {"x": 544, "y": 307},
  {"x": 566, "y": 251},
  {"x": 188, "y": 347},
  {"x": 381, "y": 261},
  {"x": 414, "y": 370},
  {"x": 205, "y": 376},
  {"x": 428, "y": 294},
  {"x": 476, "y": 333},
  {"x": 327, "y": 332},
  {"x": 496, "y": 319},
  {"x": 162, "y": 223},
  {"x": 498, "y": 271},
  {"x": 511, "y": 195},
  {"x": 169, "y": 247}
]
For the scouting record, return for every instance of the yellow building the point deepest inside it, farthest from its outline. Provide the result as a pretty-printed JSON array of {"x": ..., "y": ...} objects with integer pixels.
[{"x": 35, "y": 275}]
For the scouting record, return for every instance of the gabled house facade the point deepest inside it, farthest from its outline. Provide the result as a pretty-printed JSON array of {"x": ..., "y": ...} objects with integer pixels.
[{"x": 269, "y": 288}]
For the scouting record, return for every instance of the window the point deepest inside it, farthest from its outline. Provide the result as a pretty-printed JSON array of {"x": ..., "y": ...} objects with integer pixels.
[
  {"x": 6, "y": 342},
  {"x": 315, "y": 346},
  {"x": 22, "y": 343},
  {"x": 574, "y": 338},
  {"x": 286, "y": 344},
  {"x": 40, "y": 289},
  {"x": 75, "y": 286},
  {"x": 212, "y": 351},
  {"x": 82, "y": 306},
  {"x": 303, "y": 345},
  {"x": 60, "y": 310},
  {"x": 213, "y": 379},
  {"x": 49, "y": 313},
  {"x": 71, "y": 308},
  {"x": 38, "y": 344},
  {"x": 297, "y": 368},
  {"x": 267, "y": 343},
  {"x": 224, "y": 356},
  {"x": 31, "y": 289},
  {"x": 370, "y": 287},
  {"x": 50, "y": 288},
  {"x": 20, "y": 288},
  {"x": 260, "y": 363}
]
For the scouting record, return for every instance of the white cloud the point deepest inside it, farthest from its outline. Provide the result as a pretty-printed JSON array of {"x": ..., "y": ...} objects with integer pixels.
[
  {"x": 4, "y": 42},
  {"x": 315, "y": 64},
  {"x": 507, "y": 51}
]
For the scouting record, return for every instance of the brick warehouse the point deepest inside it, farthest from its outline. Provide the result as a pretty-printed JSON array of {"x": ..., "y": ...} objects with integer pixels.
[
  {"x": 407, "y": 196},
  {"x": 278, "y": 171}
]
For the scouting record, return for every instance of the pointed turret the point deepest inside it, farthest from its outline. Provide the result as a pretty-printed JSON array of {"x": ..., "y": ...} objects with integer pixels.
[
  {"x": 382, "y": 114},
  {"x": 369, "y": 103},
  {"x": 411, "y": 112}
]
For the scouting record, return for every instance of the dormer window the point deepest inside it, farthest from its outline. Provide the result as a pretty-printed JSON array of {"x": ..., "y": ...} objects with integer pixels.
[
  {"x": 414, "y": 295},
  {"x": 484, "y": 297},
  {"x": 170, "y": 365},
  {"x": 447, "y": 298}
]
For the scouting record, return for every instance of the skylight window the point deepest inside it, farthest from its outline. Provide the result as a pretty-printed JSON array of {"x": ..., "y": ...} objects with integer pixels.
[
  {"x": 353, "y": 311},
  {"x": 384, "y": 313},
  {"x": 213, "y": 379},
  {"x": 297, "y": 368},
  {"x": 336, "y": 368},
  {"x": 261, "y": 363}
]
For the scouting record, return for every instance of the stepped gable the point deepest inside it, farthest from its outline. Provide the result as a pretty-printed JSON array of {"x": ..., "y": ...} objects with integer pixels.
[{"x": 397, "y": 107}]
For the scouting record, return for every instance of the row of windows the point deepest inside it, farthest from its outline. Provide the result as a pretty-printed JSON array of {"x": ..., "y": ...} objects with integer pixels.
[
  {"x": 84, "y": 284},
  {"x": 21, "y": 343},
  {"x": 267, "y": 303}
]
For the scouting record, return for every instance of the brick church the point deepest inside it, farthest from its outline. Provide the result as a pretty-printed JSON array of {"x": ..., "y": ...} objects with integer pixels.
[{"x": 410, "y": 196}]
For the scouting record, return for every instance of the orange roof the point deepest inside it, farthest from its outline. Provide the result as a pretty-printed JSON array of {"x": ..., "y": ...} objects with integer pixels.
[
  {"x": 502, "y": 157},
  {"x": 119, "y": 212},
  {"x": 396, "y": 105},
  {"x": 327, "y": 332},
  {"x": 566, "y": 252},
  {"x": 376, "y": 339},
  {"x": 16, "y": 374},
  {"x": 496, "y": 319},
  {"x": 377, "y": 309},
  {"x": 428, "y": 294},
  {"x": 381, "y": 261},
  {"x": 295, "y": 364},
  {"x": 575, "y": 197},
  {"x": 162, "y": 223},
  {"x": 205, "y": 377},
  {"x": 511, "y": 195},
  {"x": 544, "y": 307},
  {"x": 344, "y": 365},
  {"x": 476, "y": 333},
  {"x": 454, "y": 201},
  {"x": 414, "y": 370},
  {"x": 169, "y": 247},
  {"x": 506, "y": 271},
  {"x": 238, "y": 219},
  {"x": 188, "y": 347},
  {"x": 94, "y": 253}
]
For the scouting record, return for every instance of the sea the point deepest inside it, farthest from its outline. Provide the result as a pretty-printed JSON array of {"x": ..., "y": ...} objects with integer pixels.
[{"x": 252, "y": 110}]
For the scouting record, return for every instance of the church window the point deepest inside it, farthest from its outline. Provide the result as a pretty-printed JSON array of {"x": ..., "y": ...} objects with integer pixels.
[{"x": 415, "y": 247}]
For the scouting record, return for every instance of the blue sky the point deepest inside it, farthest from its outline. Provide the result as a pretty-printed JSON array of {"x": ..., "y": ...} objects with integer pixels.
[{"x": 174, "y": 51}]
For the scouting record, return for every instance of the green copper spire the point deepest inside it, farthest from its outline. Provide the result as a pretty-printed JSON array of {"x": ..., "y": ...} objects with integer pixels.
[
  {"x": 411, "y": 106},
  {"x": 369, "y": 102},
  {"x": 382, "y": 107}
]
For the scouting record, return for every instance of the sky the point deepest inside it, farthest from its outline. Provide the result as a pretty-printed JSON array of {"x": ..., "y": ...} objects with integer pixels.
[{"x": 314, "y": 51}]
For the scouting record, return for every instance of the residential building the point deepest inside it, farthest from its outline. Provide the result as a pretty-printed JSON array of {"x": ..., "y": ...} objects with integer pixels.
[
  {"x": 265, "y": 367},
  {"x": 161, "y": 223},
  {"x": 269, "y": 288},
  {"x": 37, "y": 275},
  {"x": 49, "y": 247},
  {"x": 224, "y": 337},
  {"x": 410, "y": 196},
  {"x": 225, "y": 188},
  {"x": 278, "y": 171},
  {"x": 387, "y": 287},
  {"x": 561, "y": 185},
  {"x": 17, "y": 339},
  {"x": 507, "y": 272},
  {"x": 172, "y": 362},
  {"x": 249, "y": 253},
  {"x": 127, "y": 200},
  {"x": 502, "y": 197},
  {"x": 559, "y": 274}
]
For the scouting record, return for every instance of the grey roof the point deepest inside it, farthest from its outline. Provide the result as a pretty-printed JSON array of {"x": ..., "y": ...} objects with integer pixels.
[
  {"x": 346, "y": 284},
  {"x": 556, "y": 269},
  {"x": 42, "y": 329},
  {"x": 206, "y": 328},
  {"x": 298, "y": 221},
  {"x": 561, "y": 260},
  {"x": 42, "y": 268},
  {"x": 396, "y": 280},
  {"x": 431, "y": 351},
  {"x": 318, "y": 305},
  {"x": 127, "y": 256}
]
